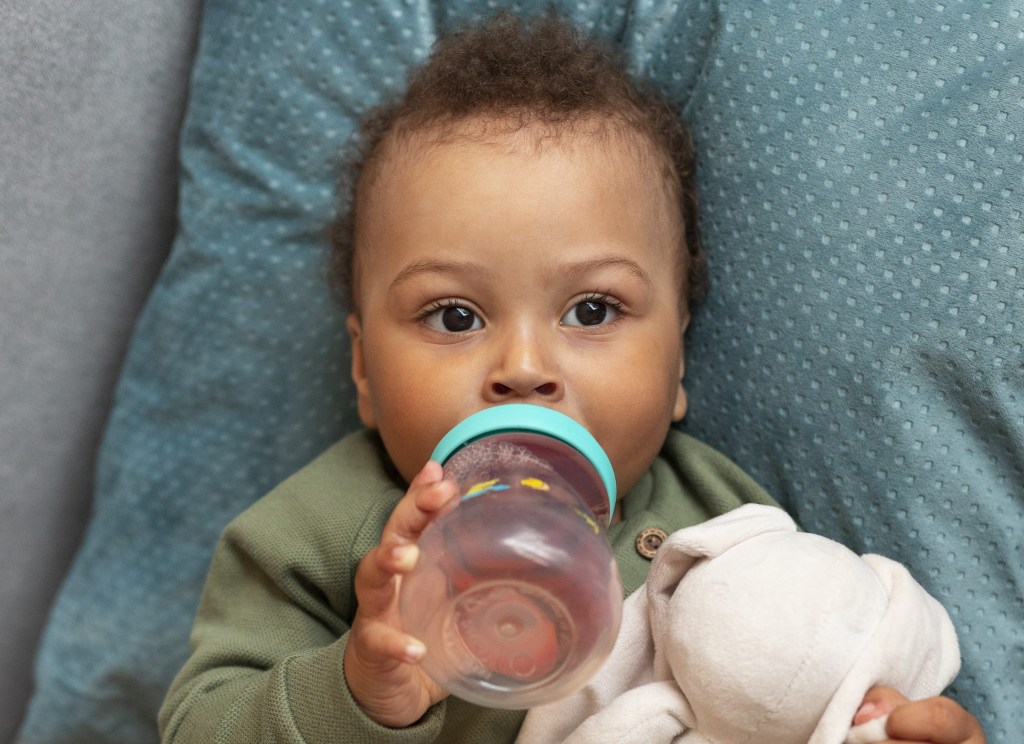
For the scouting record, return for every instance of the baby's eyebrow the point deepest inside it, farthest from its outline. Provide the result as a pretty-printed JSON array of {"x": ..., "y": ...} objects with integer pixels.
[
  {"x": 582, "y": 267},
  {"x": 434, "y": 266},
  {"x": 576, "y": 268}
]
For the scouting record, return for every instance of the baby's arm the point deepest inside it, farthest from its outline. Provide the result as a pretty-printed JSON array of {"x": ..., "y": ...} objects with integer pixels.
[
  {"x": 272, "y": 631},
  {"x": 381, "y": 662},
  {"x": 936, "y": 720}
]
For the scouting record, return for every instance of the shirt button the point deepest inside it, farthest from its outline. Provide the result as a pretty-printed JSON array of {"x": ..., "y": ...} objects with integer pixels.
[{"x": 649, "y": 540}]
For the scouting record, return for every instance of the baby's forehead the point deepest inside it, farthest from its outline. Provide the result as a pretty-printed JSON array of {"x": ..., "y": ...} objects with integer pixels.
[
  {"x": 410, "y": 166},
  {"x": 607, "y": 136}
]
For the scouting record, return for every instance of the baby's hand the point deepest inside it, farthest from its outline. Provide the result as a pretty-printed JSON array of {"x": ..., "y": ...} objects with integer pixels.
[
  {"x": 936, "y": 720},
  {"x": 381, "y": 662}
]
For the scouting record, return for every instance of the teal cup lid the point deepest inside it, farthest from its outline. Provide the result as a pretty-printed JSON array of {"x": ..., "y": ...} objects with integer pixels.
[{"x": 526, "y": 417}]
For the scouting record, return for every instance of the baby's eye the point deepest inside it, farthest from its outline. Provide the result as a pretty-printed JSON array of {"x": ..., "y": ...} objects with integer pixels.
[
  {"x": 452, "y": 319},
  {"x": 591, "y": 312}
]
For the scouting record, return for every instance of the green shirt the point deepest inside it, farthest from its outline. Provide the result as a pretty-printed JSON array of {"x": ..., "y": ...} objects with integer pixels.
[{"x": 270, "y": 633}]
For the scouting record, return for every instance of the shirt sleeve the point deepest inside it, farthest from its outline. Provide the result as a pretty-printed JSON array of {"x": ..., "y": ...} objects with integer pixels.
[{"x": 270, "y": 633}]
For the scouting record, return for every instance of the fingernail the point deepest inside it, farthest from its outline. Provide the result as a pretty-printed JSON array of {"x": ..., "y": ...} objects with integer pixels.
[
  {"x": 405, "y": 556},
  {"x": 866, "y": 712},
  {"x": 415, "y": 652},
  {"x": 431, "y": 472}
]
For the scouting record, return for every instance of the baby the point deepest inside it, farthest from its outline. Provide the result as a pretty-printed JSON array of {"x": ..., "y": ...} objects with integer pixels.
[{"x": 524, "y": 229}]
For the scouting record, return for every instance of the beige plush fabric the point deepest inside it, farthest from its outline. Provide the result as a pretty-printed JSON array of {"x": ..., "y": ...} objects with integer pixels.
[{"x": 748, "y": 630}]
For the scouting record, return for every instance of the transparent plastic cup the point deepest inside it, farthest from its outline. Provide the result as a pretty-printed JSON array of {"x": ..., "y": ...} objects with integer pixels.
[{"x": 516, "y": 593}]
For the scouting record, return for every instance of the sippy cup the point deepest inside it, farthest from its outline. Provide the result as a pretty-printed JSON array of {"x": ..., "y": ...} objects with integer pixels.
[{"x": 516, "y": 593}]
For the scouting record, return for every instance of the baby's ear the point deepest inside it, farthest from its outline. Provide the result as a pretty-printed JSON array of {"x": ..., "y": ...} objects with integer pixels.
[
  {"x": 364, "y": 399},
  {"x": 679, "y": 408}
]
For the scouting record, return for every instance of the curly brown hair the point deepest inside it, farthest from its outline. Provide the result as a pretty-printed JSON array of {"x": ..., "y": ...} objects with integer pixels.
[{"x": 510, "y": 74}]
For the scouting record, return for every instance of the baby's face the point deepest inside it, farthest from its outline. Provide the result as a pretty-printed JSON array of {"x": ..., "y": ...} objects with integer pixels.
[{"x": 489, "y": 273}]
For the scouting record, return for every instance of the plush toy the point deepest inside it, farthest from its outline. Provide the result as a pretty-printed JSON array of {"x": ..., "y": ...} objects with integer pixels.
[{"x": 748, "y": 630}]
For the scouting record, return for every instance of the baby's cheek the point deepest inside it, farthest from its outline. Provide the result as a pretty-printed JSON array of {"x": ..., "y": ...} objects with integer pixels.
[{"x": 631, "y": 460}]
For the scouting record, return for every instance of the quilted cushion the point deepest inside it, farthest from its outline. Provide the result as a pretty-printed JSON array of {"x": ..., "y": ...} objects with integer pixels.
[{"x": 858, "y": 354}]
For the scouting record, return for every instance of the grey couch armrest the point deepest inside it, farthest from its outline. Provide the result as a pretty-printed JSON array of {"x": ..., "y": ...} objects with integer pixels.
[{"x": 91, "y": 99}]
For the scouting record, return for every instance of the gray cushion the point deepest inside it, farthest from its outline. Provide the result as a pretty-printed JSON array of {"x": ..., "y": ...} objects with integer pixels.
[{"x": 91, "y": 96}]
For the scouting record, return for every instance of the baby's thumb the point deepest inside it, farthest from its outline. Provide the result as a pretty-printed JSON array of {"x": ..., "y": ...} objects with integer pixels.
[{"x": 878, "y": 702}]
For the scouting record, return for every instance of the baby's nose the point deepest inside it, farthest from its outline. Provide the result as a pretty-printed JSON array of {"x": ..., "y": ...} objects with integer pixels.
[
  {"x": 546, "y": 389},
  {"x": 524, "y": 368}
]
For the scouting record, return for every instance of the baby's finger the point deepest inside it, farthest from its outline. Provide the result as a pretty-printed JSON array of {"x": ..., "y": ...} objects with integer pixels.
[
  {"x": 937, "y": 720},
  {"x": 375, "y": 583},
  {"x": 428, "y": 492},
  {"x": 878, "y": 701},
  {"x": 380, "y": 641}
]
